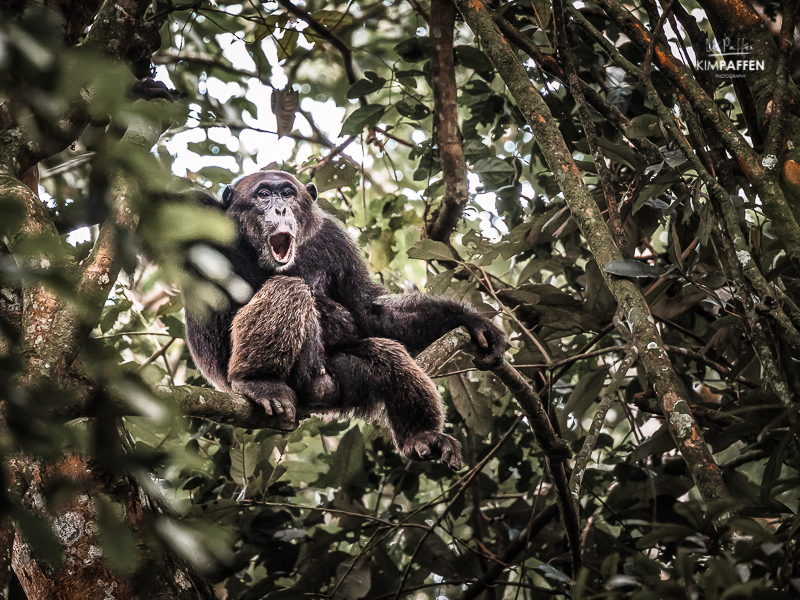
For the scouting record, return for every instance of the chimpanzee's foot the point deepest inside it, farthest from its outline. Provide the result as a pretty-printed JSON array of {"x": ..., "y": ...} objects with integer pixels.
[
  {"x": 430, "y": 445},
  {"x": 322, "y": 390},
  {"x": 150, "y": 89},
  {"x": 277, "y": 398}
]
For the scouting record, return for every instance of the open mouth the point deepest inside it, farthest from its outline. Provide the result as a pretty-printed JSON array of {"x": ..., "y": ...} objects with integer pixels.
[{"x": 281, "y": 245}]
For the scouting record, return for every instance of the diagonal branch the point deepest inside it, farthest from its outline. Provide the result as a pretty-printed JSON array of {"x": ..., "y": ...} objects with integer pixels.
[
  {"x": 603, "y": 172},
  {"x": 606, "y": 399},
  {"x": 323, "y": 32},
  {"x": 652, "y": 353}
]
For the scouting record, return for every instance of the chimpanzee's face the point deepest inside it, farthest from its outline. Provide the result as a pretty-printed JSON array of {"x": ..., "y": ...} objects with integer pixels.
[{"x": 275, "y": 213}]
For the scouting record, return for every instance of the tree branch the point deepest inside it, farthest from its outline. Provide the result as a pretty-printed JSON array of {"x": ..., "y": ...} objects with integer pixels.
[
  {"x": 652, "y": 353},
  {"x": 606, "y": 399},
  {"x": 112, "y": 33},
  {"x": 213, "y": 405},
  {"x": 445, "y": 123},
  {"x": 603, "y": 173},
  {"x": 54, "y": 328}
]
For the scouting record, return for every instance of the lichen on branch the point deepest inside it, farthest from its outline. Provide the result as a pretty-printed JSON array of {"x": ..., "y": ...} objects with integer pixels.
[{"x": 652, "y": 353}]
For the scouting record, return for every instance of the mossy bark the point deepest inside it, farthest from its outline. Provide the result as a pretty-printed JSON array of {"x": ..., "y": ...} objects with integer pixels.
[{"x": 652, "y": 353}]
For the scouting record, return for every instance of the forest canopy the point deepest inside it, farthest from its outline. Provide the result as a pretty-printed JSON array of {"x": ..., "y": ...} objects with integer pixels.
[{"x": 615, "y": 184}]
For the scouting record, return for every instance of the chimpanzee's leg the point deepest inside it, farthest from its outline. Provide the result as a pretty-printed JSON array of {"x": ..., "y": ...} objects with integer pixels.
[
  {"x": 378, "y": 371},
  {"x": 275, "y": 341}
]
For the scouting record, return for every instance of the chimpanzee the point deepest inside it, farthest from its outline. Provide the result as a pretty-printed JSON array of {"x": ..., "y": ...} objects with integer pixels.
[{"x": 319, "y": 335}]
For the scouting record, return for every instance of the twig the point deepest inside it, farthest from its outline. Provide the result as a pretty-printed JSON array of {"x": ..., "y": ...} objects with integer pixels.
[
  {"x": 606, "y": 399},
  {"x": 494, "y": 572},
  {"x": 155, "y": 356},
  {"x": 603, "y": 173}
]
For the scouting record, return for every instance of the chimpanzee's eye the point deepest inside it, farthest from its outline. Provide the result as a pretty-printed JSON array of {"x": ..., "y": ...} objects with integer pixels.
[
  {"x": 287, "y": 192},
  {"x": 263, "y": 193}
]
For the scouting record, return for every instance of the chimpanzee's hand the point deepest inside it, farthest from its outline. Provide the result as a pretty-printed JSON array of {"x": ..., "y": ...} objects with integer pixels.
[{"x": 490, "y": 342}]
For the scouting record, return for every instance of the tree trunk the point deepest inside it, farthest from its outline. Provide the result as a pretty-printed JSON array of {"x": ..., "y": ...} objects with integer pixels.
[{"x": 85, "y": 572}]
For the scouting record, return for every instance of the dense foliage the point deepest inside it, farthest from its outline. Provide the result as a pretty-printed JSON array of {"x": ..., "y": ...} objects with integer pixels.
[{"x": 697, "y": 174}]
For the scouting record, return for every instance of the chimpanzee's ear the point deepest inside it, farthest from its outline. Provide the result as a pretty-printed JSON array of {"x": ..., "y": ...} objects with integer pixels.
[
  {"x": 312, "y": 191},
  {"x": 227, "y": 196}
]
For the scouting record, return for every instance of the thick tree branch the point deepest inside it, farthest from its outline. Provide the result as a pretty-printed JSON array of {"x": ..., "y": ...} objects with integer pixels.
[
  {"x": 652, "y": 353},
  {"x": 220, "y": 407},
  {"x": 762, "y": 172},
  {"x": 111, "y": 33},
  {"x": 603, "y": 173},
  {"x": 445, "y": 123},
  {"x": 54, "y": 328}
]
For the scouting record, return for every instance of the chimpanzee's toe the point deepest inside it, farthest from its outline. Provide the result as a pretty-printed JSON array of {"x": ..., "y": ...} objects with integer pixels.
[{"x": 432, "y": 445}]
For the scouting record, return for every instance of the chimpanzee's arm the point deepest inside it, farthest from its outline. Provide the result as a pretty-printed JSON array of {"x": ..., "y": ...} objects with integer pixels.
[
  {"x": 414, "y": 320},
  {"x": 417, "y": 321}
]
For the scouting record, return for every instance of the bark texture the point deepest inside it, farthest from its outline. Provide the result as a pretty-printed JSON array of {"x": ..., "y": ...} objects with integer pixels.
[
  {"x": 444, "y": 219},
  {"x": 85, "y": 573},
  {"x": 652, "y": 353}
]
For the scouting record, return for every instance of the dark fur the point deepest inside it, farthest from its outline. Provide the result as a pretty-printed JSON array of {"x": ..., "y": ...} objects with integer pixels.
[{"x": 348, "y": 352}]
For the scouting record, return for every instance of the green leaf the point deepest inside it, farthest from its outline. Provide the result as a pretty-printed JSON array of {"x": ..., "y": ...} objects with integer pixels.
[
  {"x": 643, "y": 126},
  {"x": 119, "y": 546},
  {"x": 586, "y": 391},
  {"x": 357, "y": 583},
  {"x": 287, "y": 44},
  {"x": 412, "y": 110},
  {"x": 333, "y": 18},
  {"x": 413, "y": 50},
  {"x": 474, "y": 407},
  {"x": 364, "y": 117},
  {"x": 180, "y": 223},
  {"x": 493, "y": 164},
  {"x": 40, "y": 536},
  {"x": 174, "y": 327},
  {"x": 337, "y": 173},
  {"x": 472, "y": 58},
  {"x": 113, "y": 312},
  {"x": 381, "y": 252},
  {"x": 632, "y": 268},
  {"x": 430, "y": 250},
  {"x": 370, "y": 84},
  {"x": 347, "y": 467},
  {"x": 664, "y": 533}
]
